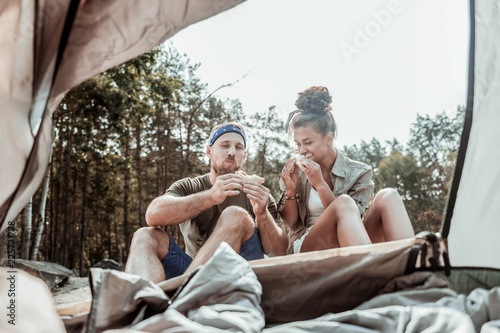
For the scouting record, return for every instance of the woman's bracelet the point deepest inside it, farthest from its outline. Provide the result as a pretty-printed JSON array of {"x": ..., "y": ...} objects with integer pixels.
[{"x": 295, "y": 197}]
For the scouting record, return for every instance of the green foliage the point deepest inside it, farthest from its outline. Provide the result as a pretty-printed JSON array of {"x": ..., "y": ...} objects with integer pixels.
[
  {"x": 268, "y": 148},
  {"x": 432, "y": 139},
  {"x": 399, "y": 172},
  {"x": 370, "y": 153},
  {"x": 402, "y": 173},
  {"x": 423, "y": 173}
]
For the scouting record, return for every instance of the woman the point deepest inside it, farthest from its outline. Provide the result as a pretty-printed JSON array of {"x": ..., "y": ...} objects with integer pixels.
[{"x": 326, "y": 193}]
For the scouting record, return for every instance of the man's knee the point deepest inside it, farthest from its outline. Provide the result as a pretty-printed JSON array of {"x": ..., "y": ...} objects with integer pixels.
[
  {"x": 236, "y": 219},
  {"x": 149, "y": 234},
  {"x": 154, "y": 238}
]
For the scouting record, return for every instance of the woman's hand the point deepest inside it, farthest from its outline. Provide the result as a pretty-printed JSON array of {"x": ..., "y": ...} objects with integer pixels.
[
  {"x": 289, "y": 176},
  {"x": 312, "y": 170}
]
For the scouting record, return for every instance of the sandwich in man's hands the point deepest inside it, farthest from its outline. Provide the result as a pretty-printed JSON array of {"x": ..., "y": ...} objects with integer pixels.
[{"x": 252, "y": 178}]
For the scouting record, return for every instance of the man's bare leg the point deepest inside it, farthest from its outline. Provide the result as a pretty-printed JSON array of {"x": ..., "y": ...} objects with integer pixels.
[
  {"x": 149, "y": 246},
  {"x": 235, "y": 226}
]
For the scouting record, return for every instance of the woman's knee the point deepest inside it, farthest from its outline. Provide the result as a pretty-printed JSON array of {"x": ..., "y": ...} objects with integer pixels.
[
  {"x": 386, "y": 196},
  {"x": 342, "y": 207},
  {"x": 344, "y": 203}
]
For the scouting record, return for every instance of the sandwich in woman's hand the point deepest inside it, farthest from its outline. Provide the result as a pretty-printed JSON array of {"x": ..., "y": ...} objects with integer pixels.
[
  {"x": 299, "y": 159},
  {"x": 252, "y": 178}
]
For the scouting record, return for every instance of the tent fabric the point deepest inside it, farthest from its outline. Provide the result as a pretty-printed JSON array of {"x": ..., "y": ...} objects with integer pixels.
[
  {"x": 19, "y": 289},
  {"x": 51, "y": 46},
  {"x": 110, "y": 288},
  {"x": 437, "y": 309},
  {"x": 225, "y": 295},
  {"x": 27, "y": 60},
  {"x": 294, "y": 285},
  {"x": 474, "y": 226},
  {"x": 464, "y": 280}
]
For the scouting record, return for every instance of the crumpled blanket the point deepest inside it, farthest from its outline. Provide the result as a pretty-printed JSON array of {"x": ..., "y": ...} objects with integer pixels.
[
  {"x": 224, "y": 295},
  {"x": 418, "y": 302}
]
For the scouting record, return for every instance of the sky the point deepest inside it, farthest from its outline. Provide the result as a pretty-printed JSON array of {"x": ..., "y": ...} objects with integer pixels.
[{"x": 383, "y": 61}]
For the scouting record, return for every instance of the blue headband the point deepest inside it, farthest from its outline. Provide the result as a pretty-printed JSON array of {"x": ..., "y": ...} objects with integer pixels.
[{"x": 226, "y": 129}]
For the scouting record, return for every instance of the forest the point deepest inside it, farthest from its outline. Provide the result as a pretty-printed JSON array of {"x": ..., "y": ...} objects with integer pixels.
[{"x": 122, "y": 137}]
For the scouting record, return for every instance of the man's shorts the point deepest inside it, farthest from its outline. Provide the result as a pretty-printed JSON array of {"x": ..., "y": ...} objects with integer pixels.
[{"x": 177, "y": 261}]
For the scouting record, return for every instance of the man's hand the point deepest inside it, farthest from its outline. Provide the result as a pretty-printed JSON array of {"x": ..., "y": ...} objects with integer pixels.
[
  {"x": 225, "y": 186},
  {"x": 258, "y": 195}
]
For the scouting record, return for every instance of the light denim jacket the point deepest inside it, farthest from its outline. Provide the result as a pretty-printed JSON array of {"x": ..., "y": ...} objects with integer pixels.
[{"x": 348, "y": 177}]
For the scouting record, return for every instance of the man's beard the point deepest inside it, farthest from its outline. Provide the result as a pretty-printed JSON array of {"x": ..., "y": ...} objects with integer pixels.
[{"x": 221, "y": 169}]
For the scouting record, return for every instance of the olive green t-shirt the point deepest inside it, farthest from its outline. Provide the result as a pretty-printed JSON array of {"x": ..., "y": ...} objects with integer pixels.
[{"x": 197, "y": 230}]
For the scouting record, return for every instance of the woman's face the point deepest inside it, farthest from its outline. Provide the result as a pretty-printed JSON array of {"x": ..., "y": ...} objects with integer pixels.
[{"x": 309, "y": 142}]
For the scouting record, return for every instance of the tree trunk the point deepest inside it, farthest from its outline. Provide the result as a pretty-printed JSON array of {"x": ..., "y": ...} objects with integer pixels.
[
  {"x": 110, "y": 231},
  {"x": 188, "y": 155},
  {"x": 117, "y": 239},
  {"x": 263, "y": 159},
  {"x": 4, "y": 256},
  {"x": 83, "y": 219},
  {"x": 96, "y": 249},
  {"x": 26, "y": 233},
  {"x": 126, "y": 189},
  {"x": 167, "y": 150},
  {"x": 188, "y": 142},
  {"x": 49, "y": 236},
  {"x": 180, "y": 139},
  {"x": 138, "y": 163},
  {"x": 41, "y": 215},
  {"x": 69, "y": 192},
  {"x": 159, "y": 152},
  {"x": 71, "y": 245},
  {"x": 158, "y": 172},
  {"x": 56, "y": 196}
]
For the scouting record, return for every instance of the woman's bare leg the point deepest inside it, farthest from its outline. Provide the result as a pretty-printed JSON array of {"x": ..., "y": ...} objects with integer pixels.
[
  {"x": 339, "y": 225},
  {"x": 387, "y": 219}
]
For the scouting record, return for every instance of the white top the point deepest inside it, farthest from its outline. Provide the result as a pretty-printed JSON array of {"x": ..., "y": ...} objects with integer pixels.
[{"x": 315, "y": 207}]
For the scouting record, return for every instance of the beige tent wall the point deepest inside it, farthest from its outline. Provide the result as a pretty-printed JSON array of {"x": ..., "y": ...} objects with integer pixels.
[
  {"x": 475, "y": 225},
  {"x": 103, "y": 34}
]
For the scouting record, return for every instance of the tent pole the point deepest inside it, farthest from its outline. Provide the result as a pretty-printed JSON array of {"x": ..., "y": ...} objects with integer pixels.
[{"x": 464, "y": 141}]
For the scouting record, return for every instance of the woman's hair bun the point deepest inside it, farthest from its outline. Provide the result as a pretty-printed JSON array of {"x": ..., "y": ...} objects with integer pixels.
[{"x": 314, "y": 100}]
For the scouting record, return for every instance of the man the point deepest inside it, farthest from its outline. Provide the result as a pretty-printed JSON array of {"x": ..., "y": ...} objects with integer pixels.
[{"x": 216, "y": 207}]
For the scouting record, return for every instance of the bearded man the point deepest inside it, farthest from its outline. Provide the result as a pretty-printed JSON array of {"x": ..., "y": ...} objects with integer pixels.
[{"x": 221, "y": 206}]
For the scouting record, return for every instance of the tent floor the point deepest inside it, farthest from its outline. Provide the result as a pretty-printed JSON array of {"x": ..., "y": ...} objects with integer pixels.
[{"x": 464, "y": 280}]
